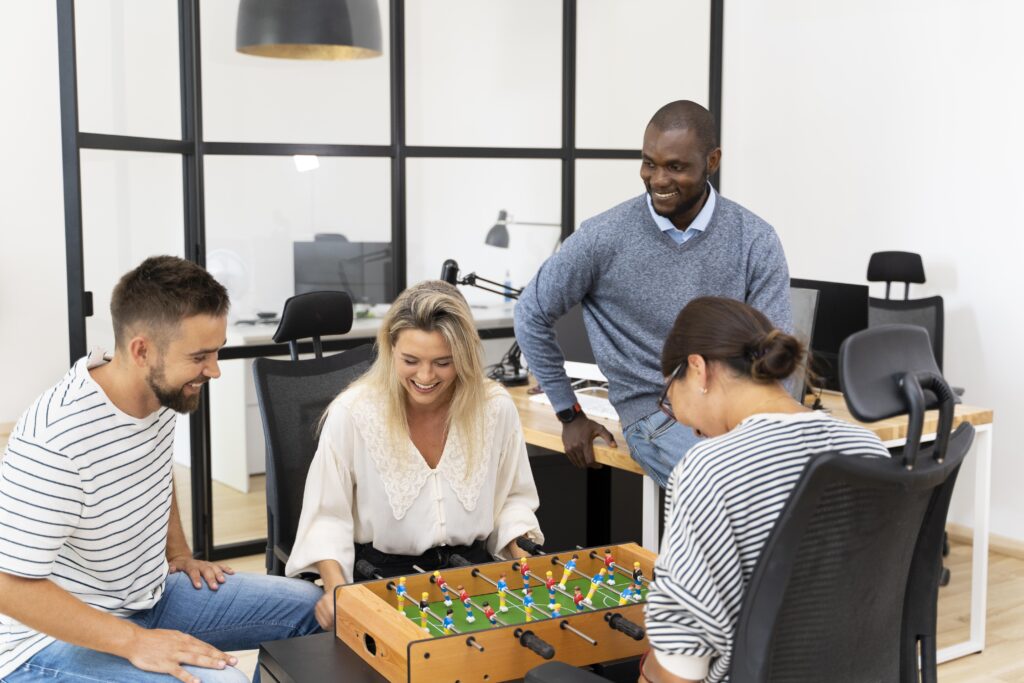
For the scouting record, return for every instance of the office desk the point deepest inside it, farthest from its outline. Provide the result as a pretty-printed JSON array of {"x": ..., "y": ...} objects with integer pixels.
[{"x": 542, "y": 428}]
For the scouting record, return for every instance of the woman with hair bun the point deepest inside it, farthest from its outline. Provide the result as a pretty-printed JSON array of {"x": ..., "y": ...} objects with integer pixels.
[{"x": 724, "y": 364}]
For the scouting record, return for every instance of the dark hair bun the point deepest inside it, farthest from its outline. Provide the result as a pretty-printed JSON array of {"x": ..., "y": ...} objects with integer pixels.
[{"x": 775, "y": 356}]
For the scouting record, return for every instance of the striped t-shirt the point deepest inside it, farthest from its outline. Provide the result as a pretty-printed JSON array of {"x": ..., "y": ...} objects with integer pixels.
[
  {"x": 724, "y": 498},
  {"x": 85, "y": 496}
]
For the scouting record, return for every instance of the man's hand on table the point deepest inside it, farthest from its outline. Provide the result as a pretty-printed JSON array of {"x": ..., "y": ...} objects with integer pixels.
[{"x": 578, "y": 440}]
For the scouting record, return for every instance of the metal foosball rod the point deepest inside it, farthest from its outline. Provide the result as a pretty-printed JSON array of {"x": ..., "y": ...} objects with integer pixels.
[{"x": 566, "y": 627}]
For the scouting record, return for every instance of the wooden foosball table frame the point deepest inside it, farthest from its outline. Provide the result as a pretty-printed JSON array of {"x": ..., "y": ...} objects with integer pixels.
[{"x": 368, "y": 622}]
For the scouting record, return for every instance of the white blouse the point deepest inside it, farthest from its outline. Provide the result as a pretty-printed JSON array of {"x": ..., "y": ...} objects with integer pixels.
[{"x": 359, "y": 492}]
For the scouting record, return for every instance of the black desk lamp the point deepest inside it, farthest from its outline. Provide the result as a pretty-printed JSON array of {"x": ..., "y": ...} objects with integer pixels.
[{"x": 509, "y": 370}]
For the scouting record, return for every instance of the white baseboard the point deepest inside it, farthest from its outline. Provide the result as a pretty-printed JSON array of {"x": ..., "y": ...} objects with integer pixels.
[{"x": 1004, "y": 545}]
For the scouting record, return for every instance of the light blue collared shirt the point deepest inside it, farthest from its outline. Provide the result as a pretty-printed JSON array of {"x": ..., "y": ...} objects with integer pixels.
[{"x": 699, "y": 224}]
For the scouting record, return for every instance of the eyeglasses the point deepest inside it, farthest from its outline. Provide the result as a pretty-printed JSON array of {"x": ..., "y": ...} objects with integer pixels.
[{"x": 663, "y": 403}]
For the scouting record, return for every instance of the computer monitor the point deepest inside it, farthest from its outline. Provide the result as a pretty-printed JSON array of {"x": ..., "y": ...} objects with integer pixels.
[
  {"x": 842, "y": 310},
  {"x": 804, "y": 304},
  {"x": 363, "y": 269},
  {"x": 572, "y": 336}
]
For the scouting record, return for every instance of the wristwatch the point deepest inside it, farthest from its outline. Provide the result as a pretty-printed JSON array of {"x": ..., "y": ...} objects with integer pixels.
[{"x": 569, "y": 414}]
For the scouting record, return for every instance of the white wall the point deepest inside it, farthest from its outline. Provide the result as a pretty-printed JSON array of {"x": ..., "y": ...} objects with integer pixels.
[
  {"x": 851, "y": 127},
  {"x": 33, "y": 286},
  {"x": 862, "y": 127}
]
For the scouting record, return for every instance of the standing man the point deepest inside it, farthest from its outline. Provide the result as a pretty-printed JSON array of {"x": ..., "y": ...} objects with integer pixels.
[
  {"x": 633, "y": 268},
  {"x": 96, "y": 578}
]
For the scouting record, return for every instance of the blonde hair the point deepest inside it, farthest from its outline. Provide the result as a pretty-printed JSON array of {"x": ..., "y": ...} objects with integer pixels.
[{"x": 432, "y": 306}]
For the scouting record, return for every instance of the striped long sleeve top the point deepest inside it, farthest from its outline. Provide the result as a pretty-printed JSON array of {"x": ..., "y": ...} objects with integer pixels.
[
  {"x": 724, "y": 497},
  {"x": 85, "y": 498}
]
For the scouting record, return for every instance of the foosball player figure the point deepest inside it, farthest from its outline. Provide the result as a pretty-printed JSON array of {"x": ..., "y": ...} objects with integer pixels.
[
  {"x": 556, "y": 611},
  {"x": 502, "y": 589},
  {"x": 609, "y": 564},
  {"x": 489, "y": 613},
  {"x": 550, "y": 583},
  {"x": 449, "y": 622},
  {"x": 524, "y": 569},
  {"x": 528, "y": 604},
  {"x": 443, "y": 586},
  {"x": 638, "y": 574},
  {"x": 567, "y": 572},
  {"x": 636, "y": 592},
  {"x": 424, "y": 605},
  {"x": 594, "y": 584},
  {"x": 464, "y": 596},
  {"x": 578, "y": 599},
  {"x": 628, "y": 593},
  {"x": 400, "y": 593}
]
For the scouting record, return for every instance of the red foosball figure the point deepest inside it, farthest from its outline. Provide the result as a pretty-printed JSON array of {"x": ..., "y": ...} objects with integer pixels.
[
  {"x": 577, "y": 599},
  {"x": 609, "y": 564},
  {"x": 443, "y": 587},
  {"x": 551, "y": 583},
  {"x": 524, "y": 569},
  {"x": 489, "y": 613},
  {"x": 464, "y": 596}
]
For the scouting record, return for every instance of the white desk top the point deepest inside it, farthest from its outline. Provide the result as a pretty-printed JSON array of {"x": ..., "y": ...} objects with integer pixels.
[{"x": 488, "y": 317}]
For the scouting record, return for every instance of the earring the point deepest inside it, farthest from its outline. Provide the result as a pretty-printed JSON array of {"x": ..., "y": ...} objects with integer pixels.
[{"x": 703, "y": 390}]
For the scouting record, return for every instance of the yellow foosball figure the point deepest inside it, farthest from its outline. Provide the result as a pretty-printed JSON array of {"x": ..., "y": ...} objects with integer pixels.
[
  {"x": 567, "y": 572},
  {"x": 401, "y": 593},
  {"x": 595, "y": 583},
  {"x": 424, "y": 604},
  {"x": 528, "y": 605},
  {"x": 502, "y": 589}
]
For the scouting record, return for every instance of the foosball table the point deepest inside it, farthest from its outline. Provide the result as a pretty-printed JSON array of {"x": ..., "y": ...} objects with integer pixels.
[{"x": 496, "y": 621}]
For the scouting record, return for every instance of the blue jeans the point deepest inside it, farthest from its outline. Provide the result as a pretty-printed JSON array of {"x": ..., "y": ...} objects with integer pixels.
[
  {"x": 246, "y": 610},
  {"x": 657, "y": 444}
]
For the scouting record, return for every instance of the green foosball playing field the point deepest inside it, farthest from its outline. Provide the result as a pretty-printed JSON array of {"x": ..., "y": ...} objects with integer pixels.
[{"x": 605, "y": 596}]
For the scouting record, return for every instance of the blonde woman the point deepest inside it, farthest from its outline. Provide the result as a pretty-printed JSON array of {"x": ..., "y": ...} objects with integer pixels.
[{"x": 421, "y": 458}]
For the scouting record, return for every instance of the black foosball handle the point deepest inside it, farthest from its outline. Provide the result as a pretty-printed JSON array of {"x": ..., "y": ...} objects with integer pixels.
[
  {"x": 457, "y": 560},
  {"x": 529, "y": 546},
  {"x": 621, "y": 623},
  {"x": 534, "y": 643},
  {"x": 366, "y": 569}
]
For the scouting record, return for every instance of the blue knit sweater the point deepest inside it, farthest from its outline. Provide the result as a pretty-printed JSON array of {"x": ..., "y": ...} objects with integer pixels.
[{"x": 632, "y": 281}]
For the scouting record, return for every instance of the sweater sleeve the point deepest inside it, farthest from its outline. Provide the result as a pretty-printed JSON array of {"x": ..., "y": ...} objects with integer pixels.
[
  {"x": 768, "y": 280},
  {"x": 688, "y": 613},
  {"x": 561, "y": 283},
  {"x": 325, "y": 526},
  {"x": 515, "y": 493}
]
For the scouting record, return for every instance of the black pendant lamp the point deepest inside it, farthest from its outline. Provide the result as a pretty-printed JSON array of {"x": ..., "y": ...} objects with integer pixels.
[{"x": 309, "y": 29}]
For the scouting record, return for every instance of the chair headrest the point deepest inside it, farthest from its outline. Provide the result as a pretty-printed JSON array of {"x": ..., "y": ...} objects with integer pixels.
[
  {"x": 871, "y": 363},
  {"x": 314, "y": 314},
  {"x": 896, "y": 266},
  {"x": 890, "y": 370}
]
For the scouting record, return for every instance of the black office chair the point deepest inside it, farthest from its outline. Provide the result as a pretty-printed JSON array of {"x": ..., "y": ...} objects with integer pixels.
[
  {"x": 905, "y": 267},
  {"x": 846, "y": 587},
  {"x": 292, "y": 398}
]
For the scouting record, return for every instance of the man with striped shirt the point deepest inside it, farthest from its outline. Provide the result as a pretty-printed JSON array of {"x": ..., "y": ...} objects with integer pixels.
[{"x": 96, "y": 577}]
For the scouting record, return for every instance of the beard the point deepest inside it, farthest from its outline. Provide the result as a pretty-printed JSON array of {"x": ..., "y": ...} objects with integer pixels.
[
  {"x": 688, "y": 204},
  {"x": 169, "y": 397}
]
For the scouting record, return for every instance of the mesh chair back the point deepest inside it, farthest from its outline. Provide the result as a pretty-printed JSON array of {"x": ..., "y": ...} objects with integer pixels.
[
  {"x": 927, "y": 313},
  {"x": 846, "y": 586},
  {"x": 292, "y": 398}
]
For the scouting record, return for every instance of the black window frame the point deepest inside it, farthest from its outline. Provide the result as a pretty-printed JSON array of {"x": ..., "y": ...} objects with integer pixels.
[{"x": 192, "y": 148}]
